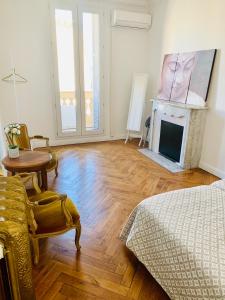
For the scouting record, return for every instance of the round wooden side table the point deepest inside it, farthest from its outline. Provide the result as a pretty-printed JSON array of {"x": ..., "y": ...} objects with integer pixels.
[{"x": 29, "y": 161}]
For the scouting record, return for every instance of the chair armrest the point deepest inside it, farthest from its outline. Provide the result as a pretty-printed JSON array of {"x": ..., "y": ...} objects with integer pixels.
[
  {"x": 40, "y": 137},
  {"x": 48, "y": 201},
  {"x": 25, "y": 177}
]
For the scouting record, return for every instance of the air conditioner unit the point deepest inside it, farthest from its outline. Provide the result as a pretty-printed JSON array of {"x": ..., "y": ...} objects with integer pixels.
[{"x": 130, "y": 19}]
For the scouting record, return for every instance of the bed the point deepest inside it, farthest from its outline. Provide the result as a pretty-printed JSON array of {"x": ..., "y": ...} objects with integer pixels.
[{"x": 180, "y": 237}]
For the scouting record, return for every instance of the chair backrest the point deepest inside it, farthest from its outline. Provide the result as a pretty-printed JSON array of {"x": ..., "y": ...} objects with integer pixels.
[{"x": 22, "y": 140}]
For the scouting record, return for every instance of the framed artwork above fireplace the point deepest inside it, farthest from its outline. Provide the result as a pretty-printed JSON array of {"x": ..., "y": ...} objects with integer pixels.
[{"x": 185, "y": 77}]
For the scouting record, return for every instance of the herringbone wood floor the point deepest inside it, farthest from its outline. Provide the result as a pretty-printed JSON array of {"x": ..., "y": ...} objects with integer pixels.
[{"x": 106, "y": 181}]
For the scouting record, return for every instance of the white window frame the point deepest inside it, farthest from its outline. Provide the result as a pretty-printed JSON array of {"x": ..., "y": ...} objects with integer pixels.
[
  {"x": 90, "y": 9},
  {"x": 77, "y": 12}
]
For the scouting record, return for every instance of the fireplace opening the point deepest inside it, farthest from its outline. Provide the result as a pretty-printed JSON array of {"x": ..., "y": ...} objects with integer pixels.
[{"x": 170, "y": 143}]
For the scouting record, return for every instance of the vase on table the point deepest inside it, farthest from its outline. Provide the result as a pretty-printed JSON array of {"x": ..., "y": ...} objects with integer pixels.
[
  {"x": 13, "y": 151},
  {"x": 12, "y": 132}
]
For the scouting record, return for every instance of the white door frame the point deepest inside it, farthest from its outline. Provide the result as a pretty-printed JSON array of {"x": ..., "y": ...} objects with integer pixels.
[{"x": 77, "y": 11}]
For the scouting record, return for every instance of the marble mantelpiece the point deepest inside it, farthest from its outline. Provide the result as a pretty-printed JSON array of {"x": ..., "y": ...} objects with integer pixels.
[{"x": 191, "y": 117}]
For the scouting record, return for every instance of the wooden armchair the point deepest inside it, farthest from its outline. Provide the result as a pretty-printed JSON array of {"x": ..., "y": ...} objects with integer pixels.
[
  {"x": 49, "y": 214},
  {"x": 23, "y": 142}
]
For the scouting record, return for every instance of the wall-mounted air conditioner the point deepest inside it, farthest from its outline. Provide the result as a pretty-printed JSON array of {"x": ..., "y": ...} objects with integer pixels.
[{"x": 130, "y": 19}]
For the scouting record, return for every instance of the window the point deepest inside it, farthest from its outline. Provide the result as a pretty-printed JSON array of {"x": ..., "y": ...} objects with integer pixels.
[
  {"x": 66, "y": 72},
  {"x": 91, "y": 70},
  {"x": 78, "y": 72}
]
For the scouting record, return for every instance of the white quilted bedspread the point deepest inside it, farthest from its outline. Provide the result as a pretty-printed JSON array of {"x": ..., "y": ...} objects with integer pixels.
[{"x": 180, "y": 237}]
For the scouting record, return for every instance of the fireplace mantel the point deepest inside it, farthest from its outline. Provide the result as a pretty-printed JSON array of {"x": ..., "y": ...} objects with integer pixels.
[
  {"x": 191, "y": 117},
  {"x": 180, "y": 105}
]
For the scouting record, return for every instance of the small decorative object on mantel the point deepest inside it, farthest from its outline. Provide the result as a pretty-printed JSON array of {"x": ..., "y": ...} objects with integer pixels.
[{"x": 12, "y": 130}]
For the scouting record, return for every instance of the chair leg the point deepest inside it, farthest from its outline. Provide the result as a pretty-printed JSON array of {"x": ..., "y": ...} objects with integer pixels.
[
  {"x": 56, "y": 170},
  {"x": 36, "y": 250},
  {"x": 77, "y": 237}
]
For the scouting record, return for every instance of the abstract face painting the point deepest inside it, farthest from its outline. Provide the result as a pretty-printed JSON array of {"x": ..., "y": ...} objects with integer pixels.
[
  {"x": 184, "y": 67},
  {"x": 167, "y": 76},
  {"x": 185, "y": 77}
]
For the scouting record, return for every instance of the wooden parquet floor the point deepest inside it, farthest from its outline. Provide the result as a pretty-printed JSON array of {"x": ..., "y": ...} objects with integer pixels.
[{"x": 106, "y": 181}]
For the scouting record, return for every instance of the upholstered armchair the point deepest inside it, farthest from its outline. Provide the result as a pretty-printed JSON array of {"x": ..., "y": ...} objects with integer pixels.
[
  {"x": 23, "y": 141},
  {"x": 49, "y": 214}
]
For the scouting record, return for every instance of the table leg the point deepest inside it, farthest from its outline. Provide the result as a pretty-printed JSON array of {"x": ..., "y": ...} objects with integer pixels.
[
  {"x": 44, "y": 178},
  {"x": 39, "y": 178}
]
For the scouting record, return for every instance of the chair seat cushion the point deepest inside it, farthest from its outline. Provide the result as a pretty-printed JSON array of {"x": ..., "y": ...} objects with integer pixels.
[{"x": 50, "y": 218}]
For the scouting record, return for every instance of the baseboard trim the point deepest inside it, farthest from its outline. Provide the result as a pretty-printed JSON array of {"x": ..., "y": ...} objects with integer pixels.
[
  {"x": 217, "y": 172},
  {"x": 61, "y": 142}
]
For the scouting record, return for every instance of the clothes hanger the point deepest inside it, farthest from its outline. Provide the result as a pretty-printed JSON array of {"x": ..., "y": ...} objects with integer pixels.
[{"x": 14, "y": 77}]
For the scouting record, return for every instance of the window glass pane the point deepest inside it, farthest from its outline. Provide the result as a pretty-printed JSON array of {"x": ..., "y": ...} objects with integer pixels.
[
  {"x": 66, "y": 73},
  {"x": 91, "y": 55}
]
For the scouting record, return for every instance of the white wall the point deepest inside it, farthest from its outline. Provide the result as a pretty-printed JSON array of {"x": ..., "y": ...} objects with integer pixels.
[
  {"x": 25, "y": 32},
  {"x": 186, "y": 25},
  {"x": 130, "y": 53},
  {"x": 2, "y": 145}
]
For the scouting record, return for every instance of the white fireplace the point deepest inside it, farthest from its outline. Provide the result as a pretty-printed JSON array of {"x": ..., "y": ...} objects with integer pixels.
[{"x": 176, "y": 132}]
